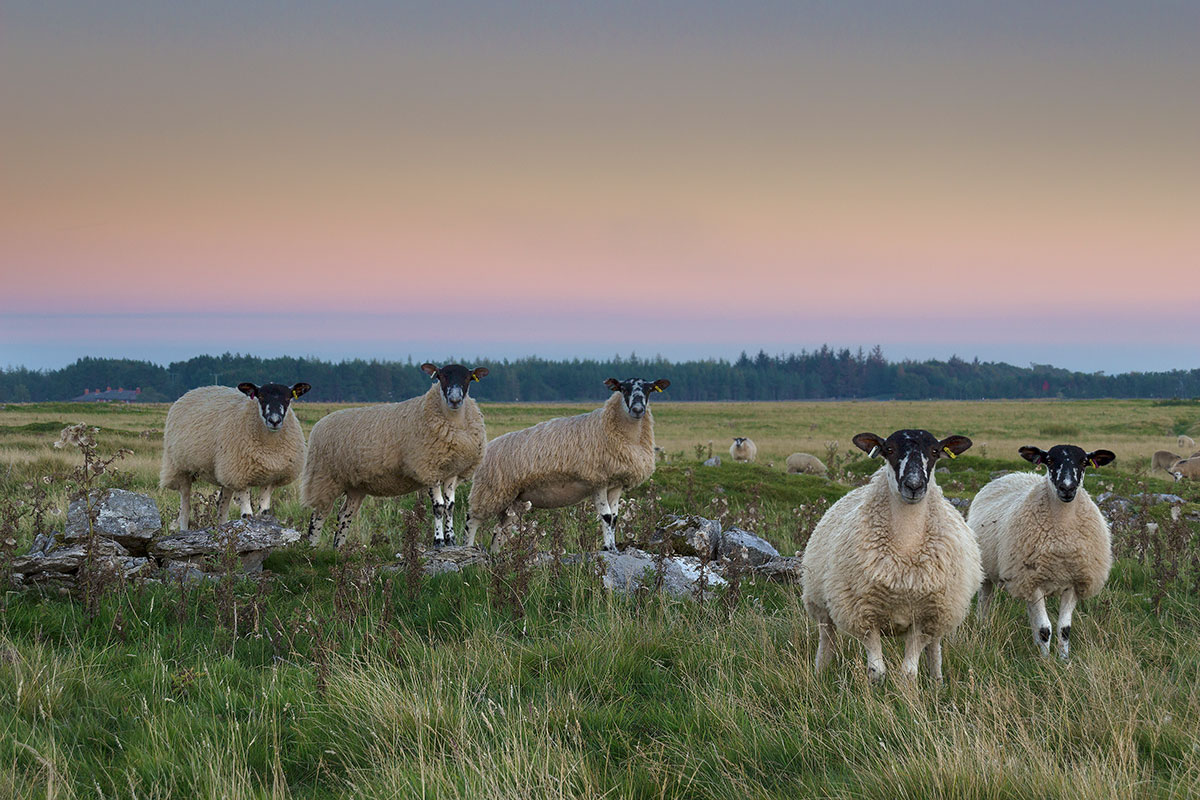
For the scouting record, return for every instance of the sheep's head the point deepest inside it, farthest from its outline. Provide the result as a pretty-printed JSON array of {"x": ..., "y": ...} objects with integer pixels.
[
  {"x": 1065, "y": 464},
  {"x": 455, "y": 380},
  {"x": 636, "y": 393},
  {"x": 911, "y": 456},
  {"x": 273, "y": 400},
  {"x": 739, "y": 440}
]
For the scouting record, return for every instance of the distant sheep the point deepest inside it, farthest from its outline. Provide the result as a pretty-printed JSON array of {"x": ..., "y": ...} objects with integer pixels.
[
  {"x": 804, "y": 463},
  {"x": 562, "y": 461},
  {"x": 1185, "y": 442},
  {"x": 429, "y": 442},
  {"x": 1162, "y": 459},
  {"x": 743, "y": 449},
  {"x": 1186, "y": 468},
  {"x": 234, "y": 438},
  {"x": 893, "y": 557},
  {"x": 1042, "y": 536}
]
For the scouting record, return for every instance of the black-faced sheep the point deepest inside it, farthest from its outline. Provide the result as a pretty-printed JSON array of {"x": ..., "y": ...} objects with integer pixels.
[
  {"x": 743, "y": 449},
  {"x": 429, "y": 442},
  {"x": 893, "y": 557},
  {"x": 562, "y": 461},
  {"x": 1042, "y": 536},
  {"x": 804, "y": 463},
  {"x": 234, "y": 438}
]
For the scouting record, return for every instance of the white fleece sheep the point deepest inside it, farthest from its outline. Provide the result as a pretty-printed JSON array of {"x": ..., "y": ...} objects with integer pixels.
[
  {"x": 1163, "y": 459},
  {"x": 428, "y": 442},
  {"x": 1185, "y": 442},
  {"x": 1186, "y": 468},
  {"x": 893, "y": 557},
  {"x": 804, "y": 463},
  {"x": 234, "y": 438},
  {"x": 743, "y": 449},
  {"x": 1042, "y": 536},
  {"x": 562, "y": 461}
]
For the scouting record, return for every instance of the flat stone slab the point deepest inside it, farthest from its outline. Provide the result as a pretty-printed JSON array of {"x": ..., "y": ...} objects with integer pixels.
[
  {"x": 129, "y": 518},
  {"x": 737, "y": 543}
]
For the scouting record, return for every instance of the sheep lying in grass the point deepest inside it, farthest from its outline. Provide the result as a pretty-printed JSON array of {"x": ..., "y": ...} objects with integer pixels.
[
  {"x": 1043, "y": 536},
  {"x": 893, "y": 557},
  {"x": 743, "y": 449},
  {"x": 429, "y": 442},
  {"x": 234, "y": 438},
  {"x": 562, "y": 461},
  {"x": 1186, "y": 468},
  {"x": 805, "y": 464},
  {"x": 1163, "y": 459}
]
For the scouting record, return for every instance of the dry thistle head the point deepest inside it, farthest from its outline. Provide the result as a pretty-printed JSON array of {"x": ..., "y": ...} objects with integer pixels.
[{"x": 77, "y": 435}]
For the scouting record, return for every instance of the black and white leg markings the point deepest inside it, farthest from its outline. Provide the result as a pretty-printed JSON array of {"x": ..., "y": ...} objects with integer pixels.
[
  {"x": 439, "y": 514},
  {"x": 607, "y": 518},
  {"x": 451, "y": 486},
  {"x": 314, "y": 528}
]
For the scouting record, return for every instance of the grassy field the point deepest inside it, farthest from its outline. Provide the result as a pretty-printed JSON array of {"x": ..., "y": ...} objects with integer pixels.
[{"x": 330, "y": 677}]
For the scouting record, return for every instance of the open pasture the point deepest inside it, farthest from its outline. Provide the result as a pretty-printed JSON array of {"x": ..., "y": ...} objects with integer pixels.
[{"x": 332, "y": 678}]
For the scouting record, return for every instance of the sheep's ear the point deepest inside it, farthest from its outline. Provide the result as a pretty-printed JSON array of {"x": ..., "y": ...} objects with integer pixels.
[
  {"x": 869, "y": 443},
  {"x": 954, "y": 446},
  {"x": 1098, "y": 458},
  {"x": 661, "y": 384},
  {"x": 430, "y": 369},
  {"x": 479, "y": 372},
  {"x": 299, "y": 389},
  {"x": 1034, "y": 455},
  {"x": 613, "y": 384},
  {"x": 248, "y": 389}
]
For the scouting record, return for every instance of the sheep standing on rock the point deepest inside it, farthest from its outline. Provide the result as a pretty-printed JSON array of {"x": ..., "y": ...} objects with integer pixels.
[
  {"x": 429, "y": 442},
  {"x": 1163, "y": 459},
  {"x": 804, "y": 463},
  {"x": 562, "y": 461},
  {"x": 893, "y": 557},
  {"x": 1043, "y": 536},
  {"x": 234, "y": 438},
  {"x": 743, "y": 449}
]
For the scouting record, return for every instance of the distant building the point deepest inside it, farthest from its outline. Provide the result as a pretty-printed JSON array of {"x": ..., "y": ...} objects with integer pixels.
[{"x": 108, "y": 395}]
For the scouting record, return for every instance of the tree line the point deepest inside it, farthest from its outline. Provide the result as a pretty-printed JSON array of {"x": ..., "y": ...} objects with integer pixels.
[{"x": 820, "y": 374}]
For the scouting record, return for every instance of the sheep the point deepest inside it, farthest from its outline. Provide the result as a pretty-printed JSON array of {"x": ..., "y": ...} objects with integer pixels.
[
  {"x": 1185, "y": 468},
  {"x": 893, "y": 557},
  {"x": 743, "y": 449},
  {"x": 1043, "y": 536},
  {"x": 1185, "y": 442},
  {"x": 562, "y": 461},
  {"x": 234, "y": 438},
  {"x": 427, "y": 442},
  {"x": 804, "y": 463},
  {"x": 1163, "y": 459}
]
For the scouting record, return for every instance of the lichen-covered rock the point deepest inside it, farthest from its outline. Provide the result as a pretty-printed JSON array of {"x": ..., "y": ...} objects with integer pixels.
[
  {"x": 689, "y": 535},
  {"x": 633, "y": 569},
  {"x": 63, "y": 557},
  {"x": 785, "y": 569},
  {"x": 251, "y": 538},
  {"x": 744, "y": 545},
  {"x": 128, "y": 518}
]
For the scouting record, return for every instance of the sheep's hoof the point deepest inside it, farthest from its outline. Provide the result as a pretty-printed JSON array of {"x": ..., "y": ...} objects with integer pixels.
[
  {"x": 609, "y": 548},
  {"x": 450, "y": 541}
]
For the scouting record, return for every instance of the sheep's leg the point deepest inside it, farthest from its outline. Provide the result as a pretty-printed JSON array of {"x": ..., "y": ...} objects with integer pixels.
[
  {"x": 185, "y": 504},
  {"x": 472, "y": 529},
  {"x": 827, "y": 637},
  {"x": 933, "y": 659},
  {"x": 914, "y": 645},
  {"x": 439, "y": 513},
  {"x": 353, "y": 501},
  {"x": 875, "y": 667},
  {"x": 450, "y": 486},
  {"x": 1039, "y": 621},
  {"x": 223, "y": 498},
  {"x": 242, "y": 498},
  {"x": 614, "y": 503},
  {"x": 607, "y": 519},
  {"x": 264, "y": 500},
  {"x": 1066, "y": 606},
  {"x": 314, "y": 526},
  {"x": 983, "y": 603}
]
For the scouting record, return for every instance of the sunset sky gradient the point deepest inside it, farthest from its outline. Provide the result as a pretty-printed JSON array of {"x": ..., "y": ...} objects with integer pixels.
[{"x": 1017, "y": 181}]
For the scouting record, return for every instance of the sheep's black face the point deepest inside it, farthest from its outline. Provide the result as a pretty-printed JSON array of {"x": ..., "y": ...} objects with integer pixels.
[
  {"x": 273, "y": 400},
  {"x": 739, "y": 440},
  {"x": 455, "y": 380},
  {"x": 911, "y": 456},
  {"x": 636, "y": 393},
  {"x": 1065, "y": 464}
]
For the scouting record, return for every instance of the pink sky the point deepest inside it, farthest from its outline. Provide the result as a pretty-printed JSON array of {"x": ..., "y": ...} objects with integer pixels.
[{"x": 698, "y": 176}]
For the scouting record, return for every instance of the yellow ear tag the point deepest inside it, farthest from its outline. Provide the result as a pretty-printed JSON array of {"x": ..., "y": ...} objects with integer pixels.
[
  {"x": 658, "y": 388},
  {"x": 474, "y": 377},
  {"x": 295, "y": 394},
  {"x": 949, "y": 452},
  {"x": 1092, "y": 461}
]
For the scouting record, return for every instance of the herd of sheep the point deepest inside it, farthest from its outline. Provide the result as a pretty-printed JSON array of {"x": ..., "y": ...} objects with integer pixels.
[{"x": 890, "y": 558}]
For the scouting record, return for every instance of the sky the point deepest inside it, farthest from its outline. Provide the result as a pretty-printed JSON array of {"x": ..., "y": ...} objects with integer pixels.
[{"x": 1013, "y": 181}]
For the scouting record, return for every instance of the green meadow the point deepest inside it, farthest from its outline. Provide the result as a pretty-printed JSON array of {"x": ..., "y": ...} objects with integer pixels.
[{"x": 332, "y": 676}]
